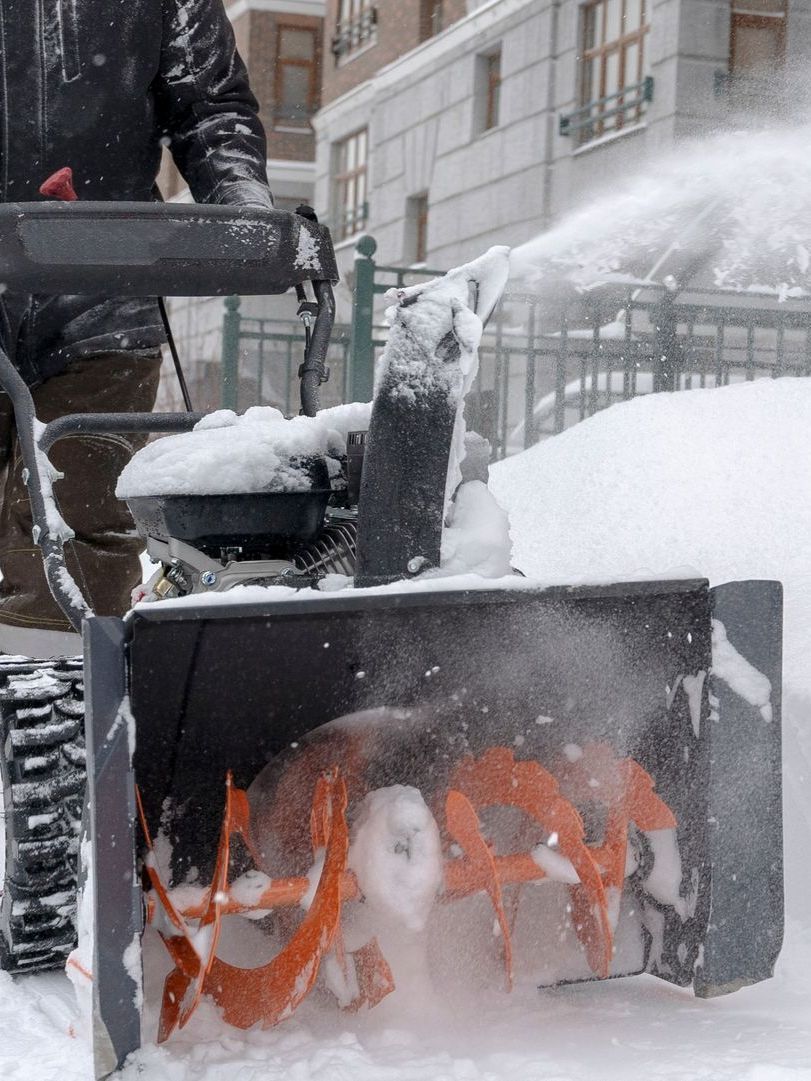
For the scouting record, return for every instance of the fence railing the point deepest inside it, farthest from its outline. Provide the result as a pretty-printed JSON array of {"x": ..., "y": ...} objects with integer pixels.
[
  {"x": 545, "y": 362},
  {"x": 261, "y": 359}
]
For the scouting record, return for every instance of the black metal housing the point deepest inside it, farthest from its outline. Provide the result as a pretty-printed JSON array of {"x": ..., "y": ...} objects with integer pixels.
[
  {"x": 159, "y": 249},
  {"x": 254, "y": 521}
]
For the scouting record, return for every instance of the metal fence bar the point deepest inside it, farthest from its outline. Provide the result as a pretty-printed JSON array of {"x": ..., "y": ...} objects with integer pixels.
[
  {"x": 498, "y": 374},
  {"x": 529, "y": 384},
  {"x": 230, "y": 353},
  {"x": 750, "y": 351},
  {"x": 361, "y": 349},
  {"x": 560, "y": 373}
]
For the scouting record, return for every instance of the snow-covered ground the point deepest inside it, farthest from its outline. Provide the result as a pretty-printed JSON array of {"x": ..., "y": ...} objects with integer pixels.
[{"x": 717, "y": 481}]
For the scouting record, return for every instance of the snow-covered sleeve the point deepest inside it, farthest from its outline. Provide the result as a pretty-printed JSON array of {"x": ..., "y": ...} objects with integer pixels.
[{"x": 206, "y": 107}]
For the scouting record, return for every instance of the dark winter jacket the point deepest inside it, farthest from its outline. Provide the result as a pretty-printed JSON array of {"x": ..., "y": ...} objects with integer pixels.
[{"x": 99, "y": 85}]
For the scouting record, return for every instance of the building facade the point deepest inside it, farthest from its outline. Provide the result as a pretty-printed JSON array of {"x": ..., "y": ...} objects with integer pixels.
[
  {"x": 448, "y": 127},
  {"x": 281, "y": 42}
]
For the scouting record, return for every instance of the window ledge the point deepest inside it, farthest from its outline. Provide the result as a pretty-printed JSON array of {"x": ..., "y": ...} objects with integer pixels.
[
  {"x": 609, "y": 137},
  {"x": 489, "y": 131},
  {"x": 348, "y": 57}
]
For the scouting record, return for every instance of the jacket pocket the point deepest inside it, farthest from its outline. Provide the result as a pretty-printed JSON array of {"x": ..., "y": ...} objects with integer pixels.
[{"x": 69, "y": 39}]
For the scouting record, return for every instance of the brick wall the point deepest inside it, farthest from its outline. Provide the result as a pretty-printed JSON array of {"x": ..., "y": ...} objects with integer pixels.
[
  {"x": 400, "y": 28},
  {"x": 261, "y": 35}
]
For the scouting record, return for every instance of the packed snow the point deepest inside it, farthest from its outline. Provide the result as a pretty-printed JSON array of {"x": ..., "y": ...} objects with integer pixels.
[{"x": 257, "y": 451}]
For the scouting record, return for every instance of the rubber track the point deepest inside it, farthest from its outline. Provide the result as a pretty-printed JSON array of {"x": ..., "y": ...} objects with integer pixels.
[{"x": 42, "y": 769}]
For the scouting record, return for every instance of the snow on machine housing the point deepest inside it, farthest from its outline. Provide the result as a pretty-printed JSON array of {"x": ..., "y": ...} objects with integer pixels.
[{"x": 585, "y": 744}]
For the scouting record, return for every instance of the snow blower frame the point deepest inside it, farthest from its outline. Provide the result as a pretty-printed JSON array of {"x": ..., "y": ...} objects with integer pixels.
[{"x": 596, "y": 695}]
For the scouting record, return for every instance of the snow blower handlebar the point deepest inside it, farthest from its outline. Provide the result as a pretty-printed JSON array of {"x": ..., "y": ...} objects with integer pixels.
[{"x": 144, "y": 249}]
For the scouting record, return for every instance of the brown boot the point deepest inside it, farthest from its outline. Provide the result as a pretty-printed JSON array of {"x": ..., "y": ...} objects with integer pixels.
[{"x": 104, "y": 556}]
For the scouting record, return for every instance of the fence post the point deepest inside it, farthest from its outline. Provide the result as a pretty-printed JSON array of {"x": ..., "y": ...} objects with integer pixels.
[
  {"x": 361, "y": 350},
  {"x": 667, "y": 362},
  {"x": 230, "y": 353}
]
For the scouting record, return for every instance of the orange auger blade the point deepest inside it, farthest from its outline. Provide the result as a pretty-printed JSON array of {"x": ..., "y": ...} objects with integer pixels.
[
  {"x": 273, "y": 991},
  {"x": 373, "y": 976},
  {"x": 463, "y": 827},
  {"x": 496, "y": 779},
  {"x": 626, "y": 790}
]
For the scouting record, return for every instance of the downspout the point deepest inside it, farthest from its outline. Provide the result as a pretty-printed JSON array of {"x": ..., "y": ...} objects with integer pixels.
[{"x": 549, "y": 142}]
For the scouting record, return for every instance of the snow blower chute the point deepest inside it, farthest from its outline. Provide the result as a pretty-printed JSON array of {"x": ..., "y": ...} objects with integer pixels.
[{"x": 357, "y": 745}]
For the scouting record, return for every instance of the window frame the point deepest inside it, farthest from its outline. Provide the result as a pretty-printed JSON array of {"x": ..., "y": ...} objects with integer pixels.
[
  {"x": 416, "y": 229},
  {"x": 281, "y": 122},
  {"x": 432, "y": 21},
  {"x": 742, "y": 15},
  {"x": 348, "y": 220},
  {"x": 487, "y": 84},
  {"x": 492, "y": 107},
  {"x": 601, "y": 53}
]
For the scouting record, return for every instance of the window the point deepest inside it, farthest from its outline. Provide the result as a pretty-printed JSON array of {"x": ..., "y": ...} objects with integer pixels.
[
  {"x": 430, "y": 18},
  {"x": 758, "y": 44},
  {"x": 296, "y": 89},
  {"x": 487, "y": 91},
  {"x": 351, "y": 209},
  {"x": 357, "y": 27},
  {"x": 416, "y": 229},
  {"x": 613, "y": 86}
]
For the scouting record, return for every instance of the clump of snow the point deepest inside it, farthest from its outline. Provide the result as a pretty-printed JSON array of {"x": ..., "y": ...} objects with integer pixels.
[
  {"x": 396, "y": 854},
  {"x": 350, "y": 417},
  {"x": 477, "y": 537},
  {"x": 80, "y": 963},
  {"x": 257, "y": 451},
  {"x": 664, "y": 880},
  {"x": 554, "y": 865},
  {"x": 58, "y": 528},
  {"x": 308, "y": 256},
  {"x": 132, "y": 966},
  {"x": 734, "y": 669}
]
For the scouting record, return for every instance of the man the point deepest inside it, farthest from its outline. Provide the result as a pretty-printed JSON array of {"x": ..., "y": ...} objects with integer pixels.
[{"x": 101, "y": 85}]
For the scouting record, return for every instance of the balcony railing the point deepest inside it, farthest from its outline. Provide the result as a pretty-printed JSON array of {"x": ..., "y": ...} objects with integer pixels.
[
  {"x": 590, "y": 120},
  {"x": 352, "y": 34}
]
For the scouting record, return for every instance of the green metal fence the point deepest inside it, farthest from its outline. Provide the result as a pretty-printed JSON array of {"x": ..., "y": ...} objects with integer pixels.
[
  {"x": 261, "y": 358},
  {"x": 546, "y": 361}
]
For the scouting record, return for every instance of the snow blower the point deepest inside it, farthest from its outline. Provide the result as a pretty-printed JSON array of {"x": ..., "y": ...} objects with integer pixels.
[{"x": 311, "y": 731}]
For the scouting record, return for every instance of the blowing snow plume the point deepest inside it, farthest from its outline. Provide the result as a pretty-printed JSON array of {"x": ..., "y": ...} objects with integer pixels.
[{"x": 742, "y": 201}]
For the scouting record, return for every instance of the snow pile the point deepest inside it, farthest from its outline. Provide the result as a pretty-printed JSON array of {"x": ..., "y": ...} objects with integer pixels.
[
  {"x": 477, "y": 538},
  {"x": 257, "y": 451},
  {"x": 709, "y": 483},
  {"x": 745, "y": 197}
]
